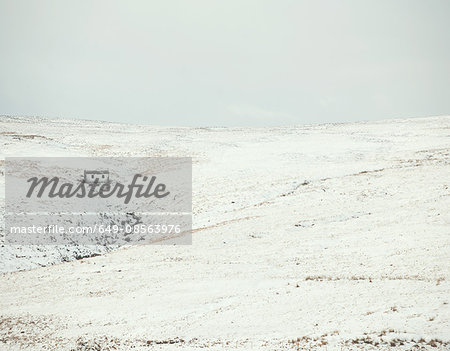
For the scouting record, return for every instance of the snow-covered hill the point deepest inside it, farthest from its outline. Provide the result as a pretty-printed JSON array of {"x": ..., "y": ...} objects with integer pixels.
[{"x": 331, "y": 235}]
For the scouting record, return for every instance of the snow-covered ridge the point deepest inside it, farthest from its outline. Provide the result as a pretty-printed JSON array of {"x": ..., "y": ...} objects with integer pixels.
[{"x": 315, "y": 235}]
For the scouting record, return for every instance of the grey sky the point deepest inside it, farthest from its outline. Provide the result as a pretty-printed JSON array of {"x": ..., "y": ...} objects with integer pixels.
[{"x": 225, "y": 62}]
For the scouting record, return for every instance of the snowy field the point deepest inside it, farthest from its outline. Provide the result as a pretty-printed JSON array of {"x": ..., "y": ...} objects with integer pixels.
[{"x": 333, "y": 237}]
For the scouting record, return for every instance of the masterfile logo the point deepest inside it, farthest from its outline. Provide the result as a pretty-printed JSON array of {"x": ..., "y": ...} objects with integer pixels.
[{"x": 140, "y": 186}]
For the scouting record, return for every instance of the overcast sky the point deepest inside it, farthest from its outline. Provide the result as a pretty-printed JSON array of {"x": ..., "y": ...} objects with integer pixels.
[{"x": 225, "y": 62}]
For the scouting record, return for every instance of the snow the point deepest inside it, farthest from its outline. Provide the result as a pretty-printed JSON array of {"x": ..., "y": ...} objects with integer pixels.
[{"x": 320, "y": 236}]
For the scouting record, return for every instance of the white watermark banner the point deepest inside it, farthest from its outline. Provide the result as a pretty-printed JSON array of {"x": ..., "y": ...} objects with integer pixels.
[{"x": 98, "y": 200}]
